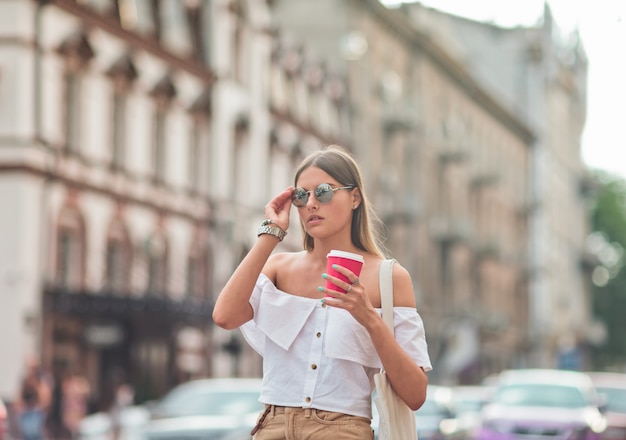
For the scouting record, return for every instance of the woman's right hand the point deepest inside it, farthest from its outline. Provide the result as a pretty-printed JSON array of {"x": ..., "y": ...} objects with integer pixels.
[{"x": 277, "y": 210}]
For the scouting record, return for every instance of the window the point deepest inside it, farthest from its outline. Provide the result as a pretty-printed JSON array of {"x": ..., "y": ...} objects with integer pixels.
[
  {"x": 119, "y": 130},
  {"x": 72, "y": 111},
  {"x": 76, "y": 52},
  {"x": 197, "y": 274},
  {"x": 195, "y": 156},
  {"x": 156, "y": 255},
  {"x": 198, "y": 266},
  {"x": 239, "y": 46},
  {"x": 70, "y": 250},
  {"x": 163, "y": 94},
  {"x": 239, "y": 171},
  {"x": 122, "y": 73},
  {"x": 199, "y": 145},
  {"x": 118, "y": 259},
  {"x": 199, "y": 17},
  {"x": 159, "y": 144}
]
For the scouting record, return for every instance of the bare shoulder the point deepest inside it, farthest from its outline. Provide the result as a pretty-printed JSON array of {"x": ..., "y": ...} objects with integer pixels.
[
  {"x": 403, "y": 294},
  {"x": 279, "y": 260}
]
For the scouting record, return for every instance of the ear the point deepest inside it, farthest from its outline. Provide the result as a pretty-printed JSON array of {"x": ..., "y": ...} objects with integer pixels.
[{"x": 356, "y": 198}]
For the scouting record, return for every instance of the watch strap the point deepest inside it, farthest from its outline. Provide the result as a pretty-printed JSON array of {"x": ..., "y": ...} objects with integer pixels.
[{"x": 271, "y": 230}]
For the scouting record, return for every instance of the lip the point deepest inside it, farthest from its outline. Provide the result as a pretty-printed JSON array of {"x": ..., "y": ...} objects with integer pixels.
[{"x": 314, "y": 219}]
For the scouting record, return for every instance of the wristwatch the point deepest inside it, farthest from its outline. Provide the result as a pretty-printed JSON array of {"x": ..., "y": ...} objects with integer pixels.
[{"x": 266, "y": 228}]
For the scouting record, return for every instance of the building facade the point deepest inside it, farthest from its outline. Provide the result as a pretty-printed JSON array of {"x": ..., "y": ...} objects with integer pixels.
[
  {"x": 140, "y": 141},
  {"x": 471, "y": 138},
  {"x": 137, "y": 140},
  {"x": 540, "y": 74}
]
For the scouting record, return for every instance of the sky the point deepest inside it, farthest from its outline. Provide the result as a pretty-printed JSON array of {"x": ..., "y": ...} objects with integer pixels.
[{"x": 602, "y": 27}]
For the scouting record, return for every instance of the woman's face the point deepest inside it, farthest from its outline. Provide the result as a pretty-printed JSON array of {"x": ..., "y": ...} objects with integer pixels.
[{"x": 323, "y": 219}]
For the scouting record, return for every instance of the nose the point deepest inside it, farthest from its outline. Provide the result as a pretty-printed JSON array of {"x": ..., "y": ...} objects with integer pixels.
[{"x": 312, "y": 203}]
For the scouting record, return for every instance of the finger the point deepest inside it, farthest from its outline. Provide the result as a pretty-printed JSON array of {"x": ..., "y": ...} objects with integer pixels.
[
  {"x": 345, "y": 272},
  {"x": 330, "y": 295},
  {"x": 337, "y": 282}
]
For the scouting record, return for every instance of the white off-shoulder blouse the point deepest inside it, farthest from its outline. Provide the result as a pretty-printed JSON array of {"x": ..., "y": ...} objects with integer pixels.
[{"x": 320, "y": 357}]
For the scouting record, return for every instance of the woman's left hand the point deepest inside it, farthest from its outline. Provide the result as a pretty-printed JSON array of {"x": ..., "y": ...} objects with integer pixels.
[{"x": 355, "y": 300}]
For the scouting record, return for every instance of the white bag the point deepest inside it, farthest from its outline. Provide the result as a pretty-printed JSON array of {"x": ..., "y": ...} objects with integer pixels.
[{"x": 397, "y": 420}]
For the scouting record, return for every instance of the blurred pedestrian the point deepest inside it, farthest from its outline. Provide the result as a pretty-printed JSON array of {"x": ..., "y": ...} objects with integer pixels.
[
  {"x": 54, "y": 425},
  {"x": 320, "y": 354},
  {"x": 74, "y": 401},
  {"x": 33, "y": 401},
  {"x": 123, "y": 398}
]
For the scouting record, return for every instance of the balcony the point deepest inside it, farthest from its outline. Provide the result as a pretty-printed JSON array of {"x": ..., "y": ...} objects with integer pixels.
[
  {"x": 95, "y": 305},
  {"x": 487, "y": 249},
  {"x": 450, "y": 231},
  {"x": 483, "y": 179}
]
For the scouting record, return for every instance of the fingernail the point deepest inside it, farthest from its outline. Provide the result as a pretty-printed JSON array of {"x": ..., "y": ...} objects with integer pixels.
[
  {"x": 324, "y": 275},
  {"x": 334, "y": 266},
  {"x": 320, "y": 288}
]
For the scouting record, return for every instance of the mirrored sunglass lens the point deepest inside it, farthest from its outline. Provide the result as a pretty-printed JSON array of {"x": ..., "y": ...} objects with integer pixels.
[
  {"x": 299, "y": 197},
  {"x": 324, "y": 193}
]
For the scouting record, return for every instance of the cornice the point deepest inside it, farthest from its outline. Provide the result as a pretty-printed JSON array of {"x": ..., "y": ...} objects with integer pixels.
[
  {"x": 418, "y": 40},
  {"x": 139, "y": 42},
  {"x": 194, "y": 215}
]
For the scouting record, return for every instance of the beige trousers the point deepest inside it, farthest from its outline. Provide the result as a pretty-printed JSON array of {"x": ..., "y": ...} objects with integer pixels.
[{"x": 289, "y": 423}]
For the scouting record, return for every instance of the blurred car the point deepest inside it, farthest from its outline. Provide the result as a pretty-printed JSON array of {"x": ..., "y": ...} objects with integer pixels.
[
  {"x": 4, "y": 421},
  {"x": 612, "y": 387},
  {"x": 101, "y": 426},
  {"x": 543, "y": 404},
  {"x": 436, "y": 419},
  {"x": 207, "y": 409},
  {"x": 469, "y": 402}
]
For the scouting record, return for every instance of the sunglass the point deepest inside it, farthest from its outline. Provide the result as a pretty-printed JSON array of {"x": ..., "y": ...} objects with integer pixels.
[{"x": 323, "y": 193}]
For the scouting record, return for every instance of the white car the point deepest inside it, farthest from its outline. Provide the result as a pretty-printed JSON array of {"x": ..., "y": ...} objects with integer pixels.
[
  {"x": 100, "y": 426},
  {"x": 211, "y": 409}
]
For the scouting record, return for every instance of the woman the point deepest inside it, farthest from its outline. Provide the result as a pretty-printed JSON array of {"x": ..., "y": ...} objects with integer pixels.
[
  {"x": 33, "y": 401},
  {"x": 320, "y": 353}
]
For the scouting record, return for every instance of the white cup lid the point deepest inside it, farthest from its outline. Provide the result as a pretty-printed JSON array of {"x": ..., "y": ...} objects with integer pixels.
[{"x": 344, "y": 254}]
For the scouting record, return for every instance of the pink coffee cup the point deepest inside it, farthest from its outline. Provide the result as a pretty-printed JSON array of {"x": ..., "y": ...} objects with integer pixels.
[{"x": 353, "y": 262}]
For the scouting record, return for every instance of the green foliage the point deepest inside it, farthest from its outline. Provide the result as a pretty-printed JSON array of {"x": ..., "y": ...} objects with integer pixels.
[
  {"x": 609, "y": 301},
  {"x": 609, "y": 213}
]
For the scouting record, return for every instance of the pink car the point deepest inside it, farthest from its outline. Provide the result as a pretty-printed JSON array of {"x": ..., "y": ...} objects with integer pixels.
[{"x": 543, "y": 404}]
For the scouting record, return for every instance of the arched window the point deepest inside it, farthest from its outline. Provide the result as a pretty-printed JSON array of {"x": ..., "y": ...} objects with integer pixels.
[
  {"x": 199, "y": 268},
  {"x": 118, "y": 258},
  {"x": 70, "y": 249},
  {"x": 156, "y": 257}
]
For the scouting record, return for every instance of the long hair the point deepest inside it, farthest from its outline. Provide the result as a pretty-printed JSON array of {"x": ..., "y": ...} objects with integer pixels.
[{"x": 366, "y": 230}]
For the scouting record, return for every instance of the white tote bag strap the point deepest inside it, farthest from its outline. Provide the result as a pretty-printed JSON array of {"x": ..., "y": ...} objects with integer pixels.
[{"x": 386, "y": 291}]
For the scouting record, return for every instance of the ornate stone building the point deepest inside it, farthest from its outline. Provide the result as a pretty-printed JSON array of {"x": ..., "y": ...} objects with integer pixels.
[
  {"x": 471, "y": 139},
  {"x": 539, "y": 73},
  {"x": 139, "y": 142}
]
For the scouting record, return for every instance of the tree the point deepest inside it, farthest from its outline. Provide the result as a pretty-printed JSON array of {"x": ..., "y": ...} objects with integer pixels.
[{"x": 608, "y": 219}]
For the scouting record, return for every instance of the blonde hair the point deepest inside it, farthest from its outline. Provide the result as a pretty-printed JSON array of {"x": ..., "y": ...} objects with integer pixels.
[{"x": 366, "y": 229}]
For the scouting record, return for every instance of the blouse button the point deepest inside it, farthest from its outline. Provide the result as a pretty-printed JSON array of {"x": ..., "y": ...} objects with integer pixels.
[
  {"x": 308, "y": 399},
  {"x": 318, "y": 334},
  {"x": 314, "y": 367}
]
